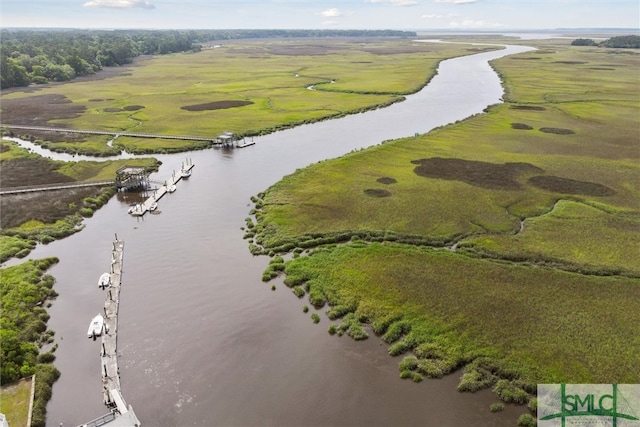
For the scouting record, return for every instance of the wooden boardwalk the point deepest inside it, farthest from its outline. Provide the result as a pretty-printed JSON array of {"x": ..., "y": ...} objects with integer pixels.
[
  {"x": 52, "y": 187},
  {"x": 213, "y": 140},
  {"x": 169, "y": 186},
  {"x": 121, "y": 414}
]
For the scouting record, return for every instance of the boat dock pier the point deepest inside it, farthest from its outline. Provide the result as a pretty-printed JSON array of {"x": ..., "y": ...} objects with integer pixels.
[
  {"x": 226, "y": 139},
  {"x": 121, "y": 414},
  {"x": 169, "y": 186}
]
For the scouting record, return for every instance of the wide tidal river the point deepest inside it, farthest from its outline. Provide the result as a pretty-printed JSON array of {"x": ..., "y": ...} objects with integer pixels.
[{"x": 202, "y": 341}]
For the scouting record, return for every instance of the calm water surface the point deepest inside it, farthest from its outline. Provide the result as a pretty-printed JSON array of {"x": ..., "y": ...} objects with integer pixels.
[{"x": 202, "y": 340}]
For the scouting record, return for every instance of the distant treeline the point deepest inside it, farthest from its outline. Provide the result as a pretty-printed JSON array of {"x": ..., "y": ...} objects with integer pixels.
[
  {"x": 632, "y": 42},
  {"x": 41, "y": 56}
]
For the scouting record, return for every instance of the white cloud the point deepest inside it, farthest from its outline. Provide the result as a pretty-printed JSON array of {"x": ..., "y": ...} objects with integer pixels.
[
  {"x": 435, "y": 16},
  {"x": 331, "y": 13},
  {"x": 404, "y": 2},
  {"x": 395, "y": 2},
  {"x": 470, "y": 23},
  {"x": 457, "y": 1},
  {"x": 120, "y": 4}
]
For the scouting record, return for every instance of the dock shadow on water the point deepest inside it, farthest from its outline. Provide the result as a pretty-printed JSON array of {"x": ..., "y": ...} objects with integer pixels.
[{"x": 201, "y": 339}]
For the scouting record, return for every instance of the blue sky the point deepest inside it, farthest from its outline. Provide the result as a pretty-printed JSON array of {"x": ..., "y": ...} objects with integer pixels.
[{"x": 339, "y": 14}]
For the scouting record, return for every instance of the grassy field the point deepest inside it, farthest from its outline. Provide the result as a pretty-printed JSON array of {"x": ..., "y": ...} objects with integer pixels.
[
  {"x": 538, "y": 202},
  {"x": 500, "y": 175},
  {"x": 273, "y": 78},
  {"x": 14, "y": 402}
]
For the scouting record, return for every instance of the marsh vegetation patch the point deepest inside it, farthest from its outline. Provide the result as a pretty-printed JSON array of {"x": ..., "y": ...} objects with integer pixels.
[
  {"x": 39, "y": 109},
  {"x": 386, "y": 180},
  {"x": 119, "y": 109},
  {"x": 481, "y": 174},
  {"x": 527, "y": 107},
  {"x": 216, "y": 105},
  {"x": 557, "y": 131},
  {"x": 521, "y": 126},
  {"x": 570, "y": 186},
  {"x": 377, "y": 192},
  {"x": 570, "y": 62},
  {"x": 25, "y": 171}
]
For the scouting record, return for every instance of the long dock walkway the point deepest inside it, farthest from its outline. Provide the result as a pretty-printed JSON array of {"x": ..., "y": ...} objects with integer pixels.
[
  {"x": 121, "y": 414},
  {"x": 52, "y": 187},
  {"x": 169, "y": 186},
  {"x": 213, "y": 140}
]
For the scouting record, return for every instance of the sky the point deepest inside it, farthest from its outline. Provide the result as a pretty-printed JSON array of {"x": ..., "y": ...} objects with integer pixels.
[{"x": 414, "y": 15}]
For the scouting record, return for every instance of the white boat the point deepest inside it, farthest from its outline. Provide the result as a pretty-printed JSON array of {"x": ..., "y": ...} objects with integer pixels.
[
  {"x": 185, "y": 173},
  {"x": 171, "y": 188},
  {"x": 104, "y": 281},
  {"x": 95, "y": 328},
  {"x": 153, "y": 206}
]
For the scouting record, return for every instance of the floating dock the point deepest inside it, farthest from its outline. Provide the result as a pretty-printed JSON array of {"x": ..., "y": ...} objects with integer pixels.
[
  {"x": 169, "y": 186},
  {"x": 121, "y": 414}
]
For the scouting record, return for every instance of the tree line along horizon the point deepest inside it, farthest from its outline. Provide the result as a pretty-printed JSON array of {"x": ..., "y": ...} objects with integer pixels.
[{"x": 41, "y": 56}]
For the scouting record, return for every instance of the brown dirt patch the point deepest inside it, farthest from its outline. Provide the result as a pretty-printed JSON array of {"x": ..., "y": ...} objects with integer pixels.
[
  {"x": 377, "y": 192},
  {"x": 386, "y": 180},
  {"x": 602, "y": 69},
  {"x": 216, "y": 105},
  {"x": 557, "y": 131},
  {"x": 481, "y": 174},
  {"x": 527, "y": 107},
  {"x": 570, "y": 186},
  {"x": 112, "y": 110},
  {"x": 520, "y": 126},
  {"x": 526, "y": 58},
  {"x": 101, "y": 99}
]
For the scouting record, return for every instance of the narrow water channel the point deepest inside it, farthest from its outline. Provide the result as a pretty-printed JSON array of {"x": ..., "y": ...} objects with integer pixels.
[{"x": 202, "y": 340}]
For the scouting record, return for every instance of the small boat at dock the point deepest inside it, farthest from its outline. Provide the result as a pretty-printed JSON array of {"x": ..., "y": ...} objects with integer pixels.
[
  {"x": 185, "y": 173},
  {"x": 96, "y": 326},
  {"x": 104, "y": 281}
]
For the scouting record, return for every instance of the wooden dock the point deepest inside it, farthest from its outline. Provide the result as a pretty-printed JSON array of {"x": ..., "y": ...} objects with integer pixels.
[
  {"x": 120, "y": 413},
  {"x": 226, "y": 139},
  {"x": 169, "y": 186},
  {"x": 53, "y": 187}
]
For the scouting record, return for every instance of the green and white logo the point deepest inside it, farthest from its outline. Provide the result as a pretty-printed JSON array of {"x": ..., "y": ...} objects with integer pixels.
[{"x": 593, "y": 405}]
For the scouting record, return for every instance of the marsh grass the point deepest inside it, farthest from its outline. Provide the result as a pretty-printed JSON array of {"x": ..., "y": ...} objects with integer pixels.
[
  {"x": 600, "y": 154},
  {"x": 270, "y": 90},
  {"x": 502, "y": 321}
]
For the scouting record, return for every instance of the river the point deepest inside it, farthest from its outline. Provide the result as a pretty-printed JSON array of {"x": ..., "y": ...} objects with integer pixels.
[{"x": 202, "y": 340}]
